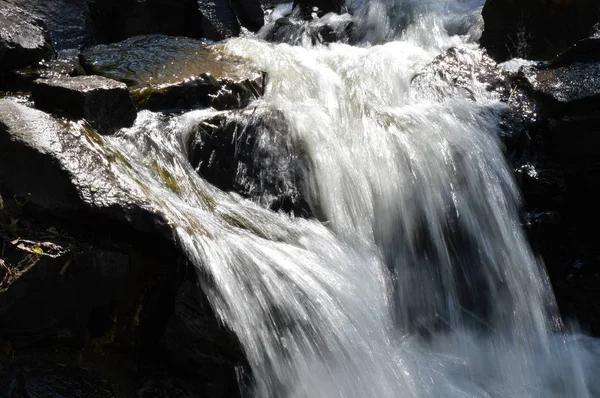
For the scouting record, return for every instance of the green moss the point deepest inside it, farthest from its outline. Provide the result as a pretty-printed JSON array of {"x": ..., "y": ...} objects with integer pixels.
[
  {"x": 113, "y": 154},
  {"x": 167, "y": 178}
]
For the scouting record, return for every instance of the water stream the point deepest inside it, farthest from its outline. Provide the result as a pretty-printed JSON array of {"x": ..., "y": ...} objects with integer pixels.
[{"x": 417, "y": 280}]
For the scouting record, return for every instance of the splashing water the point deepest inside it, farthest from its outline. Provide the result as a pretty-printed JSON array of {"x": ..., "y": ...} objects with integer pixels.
[{"x": 419, "y": 281}]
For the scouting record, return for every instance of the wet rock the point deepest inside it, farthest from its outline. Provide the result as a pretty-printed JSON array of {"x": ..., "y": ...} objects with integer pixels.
[
  {"x": 317, "y": 8},
  {"x": 454, "y": 71},
  {"x": 24, "y": 40},
  {"x": 199, "y": 349},
  {"x": 103, "y": 102},
  {"x": 69, "y": 171},
  {"x": 69, "y": 21},
  {"x": 452, "y": 74},
  {"x": 249, "y": 13},
  {"x": 586, "y": 50},
  {"x": 564, "y": 89},
  {"x": 36, "y": 379},
  {"x": 536, "y": 29},
  {"x": 250, "y": 152},
  {"x": 173, "y": 73},
  {"x": 22, "y": 79},
  {"x": 541, "y": 188},
  {"x": 218, "y": 20},
  {"x": 325, "y": 30}
]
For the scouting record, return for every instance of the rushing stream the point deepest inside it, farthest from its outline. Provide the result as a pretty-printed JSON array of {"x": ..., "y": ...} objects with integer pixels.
[{"x": 417, "y": 280}]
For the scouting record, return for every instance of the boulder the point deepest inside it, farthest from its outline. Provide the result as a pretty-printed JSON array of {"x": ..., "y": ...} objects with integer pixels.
[
  {"x": 105, "y": 277},
  {"x": 318, "y": 7},
  {"x": 69, "y": 21},
  {"x": 218, "y": 19},
  {"x": 249, "y": 13},
  {"x": 249, "y": 152},
  {"x": 166, "y": 72},
  {"x": 69, "y": 172},
  {"x": 24, "y": 39},
  {"x": 36, "y": 379},
  {"x": 116, "y": 20},
  {"x": 22, "y": 79},
  {"x": 574, "y": 87},
  {"x": 191, "y": 337},
  {"x": 536, "y": 29},
  {"x": 296, "y": 32},
  {"x": 586, "y": 50},
  {"x": 103, "y": 102}
]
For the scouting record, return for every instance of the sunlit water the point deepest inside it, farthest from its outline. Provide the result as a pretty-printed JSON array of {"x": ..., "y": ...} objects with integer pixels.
[{"x": 417, "y": 280}]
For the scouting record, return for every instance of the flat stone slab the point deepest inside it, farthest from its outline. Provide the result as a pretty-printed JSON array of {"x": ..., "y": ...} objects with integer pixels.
[
  {"x": 23, "y": 38},
  {"x": 104, "y": 103},
  {"x": 166, "y": 72}
]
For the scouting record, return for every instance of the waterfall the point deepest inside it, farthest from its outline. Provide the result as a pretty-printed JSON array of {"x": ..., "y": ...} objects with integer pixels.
[{"x": 416, "y": 280}]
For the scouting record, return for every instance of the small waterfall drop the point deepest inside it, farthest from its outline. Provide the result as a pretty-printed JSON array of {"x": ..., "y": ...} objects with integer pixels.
[{"x": 417, "y": 281}]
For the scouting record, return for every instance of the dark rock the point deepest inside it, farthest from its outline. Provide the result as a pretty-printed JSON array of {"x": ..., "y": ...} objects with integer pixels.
[
  {"x": 586, "y": 50},
  {"x": 173, "y": 72},
  {"x": 574, "y": 86},
  {"x": 218, "y": 20},
  {"x": 69, "y": 21},
  {"x": 318, "y": 7},
  {"x": 24, "y": 40},
  {"x": 103, "y": 102},
  {"x": 69, "y": 171},
  {"x": 58, "y": 293},
  {"x": 116, "y": 20},
  {"x": 536, "y": 29},
  {"x": 541, "y": 188},
  {"x": 201, "y": 91},
  {"x": 200, "y": 349},
  {"x": 22, "y": 79},
  {"x": 176, "y": 17},
  {"x": 249, "y": 13},
  {"x": 296, "y": 32},
  {"x": 36, "y": 379},
  {"x": 250, "y": 153}
]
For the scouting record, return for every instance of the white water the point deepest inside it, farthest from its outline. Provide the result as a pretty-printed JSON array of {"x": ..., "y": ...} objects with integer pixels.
[{"x": 419, "y": 281}]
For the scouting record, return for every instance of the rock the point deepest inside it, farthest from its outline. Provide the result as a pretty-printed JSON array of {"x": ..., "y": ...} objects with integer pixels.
[
  {"x": 174, "y": 72},
  {"x": 200, "y": 349},
  {"x": 564, "y": 87},
  {"x": 176, "y": 17},
  {"x": 69, "y": 21},
  {"x": 541, "y": 188},
  {"x": 22, "y": 79},
  {"x": 218, "y": 19},
  {"x": 249, "y": 13},
  {"x": 58, "y": 293},
  {"x": 257, "y": 164},
  {"x": 586, "y": 50},
  {"x": 318, "y": 7},
  {"x": 536, "y": 29},
  {"x": 116, "y": 20},
  {"x": 103, "y": 102},
  {"x": 24, "y": 40},
  {"x": 70, "y": 172},
  {"x": 295, "y": 32},
  {"x": 36, "y": 379},
  {"x": 213, "y": 19}
]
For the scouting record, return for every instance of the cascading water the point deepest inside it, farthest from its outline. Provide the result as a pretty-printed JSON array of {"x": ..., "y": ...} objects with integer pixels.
[{"x": 418, "y": 281}]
